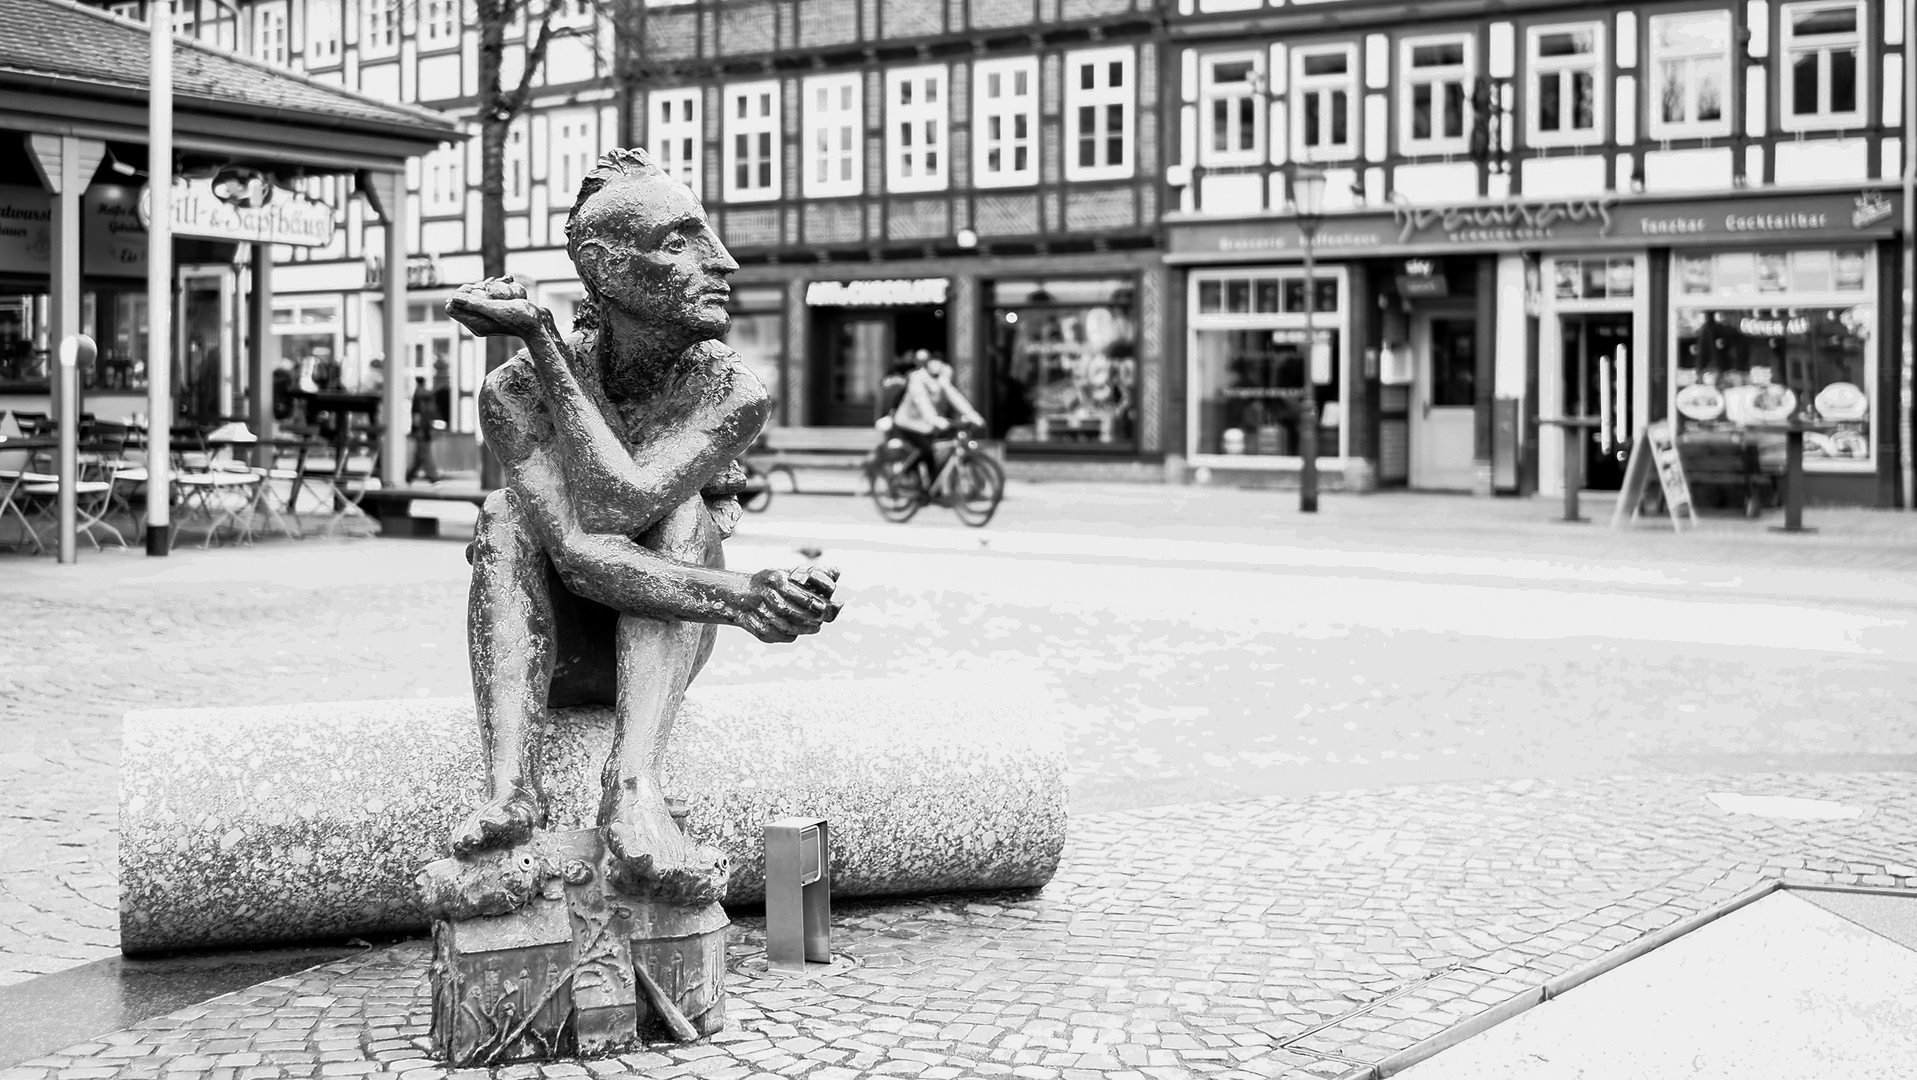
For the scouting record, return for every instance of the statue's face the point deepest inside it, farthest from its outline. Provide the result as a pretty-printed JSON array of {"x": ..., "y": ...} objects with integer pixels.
[{"x": 654, "y": 254}]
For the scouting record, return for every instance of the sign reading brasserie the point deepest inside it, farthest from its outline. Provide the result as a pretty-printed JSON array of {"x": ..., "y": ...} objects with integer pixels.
[
  {"x": 284, "y": 218},
  {"x": 1601, "y": 220}
]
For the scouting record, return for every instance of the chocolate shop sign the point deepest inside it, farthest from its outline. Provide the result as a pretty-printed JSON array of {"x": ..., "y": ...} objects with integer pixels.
[{"x": 1603, "y": 221}]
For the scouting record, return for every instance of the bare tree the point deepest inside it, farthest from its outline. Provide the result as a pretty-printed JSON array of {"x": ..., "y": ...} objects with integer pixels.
[{"x": 498, "y": 108}]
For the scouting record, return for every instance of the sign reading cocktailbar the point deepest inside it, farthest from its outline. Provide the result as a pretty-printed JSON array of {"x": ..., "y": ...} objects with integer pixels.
[{"x": 284, "y": 218}]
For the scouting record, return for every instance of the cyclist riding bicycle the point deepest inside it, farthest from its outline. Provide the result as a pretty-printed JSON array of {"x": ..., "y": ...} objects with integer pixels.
[{"x": 923, "y": 404}]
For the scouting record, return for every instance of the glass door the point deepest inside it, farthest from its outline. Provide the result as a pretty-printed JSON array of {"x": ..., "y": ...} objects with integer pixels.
[
  {"x": 1598, "y": 357},
  {"x": 1444, "y": 407},
  {"x": 859, "y": 350}
]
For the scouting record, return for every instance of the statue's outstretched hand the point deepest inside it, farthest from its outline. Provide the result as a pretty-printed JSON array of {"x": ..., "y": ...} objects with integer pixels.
[
  {"x": 782, "y": 605},
  {"x": 498, "y": 306}
]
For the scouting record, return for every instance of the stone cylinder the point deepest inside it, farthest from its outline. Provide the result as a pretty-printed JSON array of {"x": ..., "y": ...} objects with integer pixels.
[{"x": 246, "y": 826}]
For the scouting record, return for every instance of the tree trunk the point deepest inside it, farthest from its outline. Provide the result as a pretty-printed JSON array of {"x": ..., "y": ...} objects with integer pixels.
[{"x": 495, "y": 117}]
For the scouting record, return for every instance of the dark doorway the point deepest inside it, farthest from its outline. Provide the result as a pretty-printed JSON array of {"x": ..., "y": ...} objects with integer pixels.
[
  {"x": 1598, "y": 358},
  {"x": 856, "y": 347}
]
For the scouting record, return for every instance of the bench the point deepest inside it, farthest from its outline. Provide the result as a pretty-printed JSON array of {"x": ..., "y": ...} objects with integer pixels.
[
  {"x": 393, "y": 508},
  {"x": 1751, "y": 466},
  {"x": 788, "y": 449}
]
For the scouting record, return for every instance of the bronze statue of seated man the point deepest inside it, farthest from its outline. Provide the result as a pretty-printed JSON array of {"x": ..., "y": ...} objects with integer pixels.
[{"x": 597, "y": 570}]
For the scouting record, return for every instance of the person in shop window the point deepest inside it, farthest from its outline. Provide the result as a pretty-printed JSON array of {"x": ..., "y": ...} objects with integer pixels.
[
  {"x": 924, "y": 416},
  {"x": 425, "y": 419}
]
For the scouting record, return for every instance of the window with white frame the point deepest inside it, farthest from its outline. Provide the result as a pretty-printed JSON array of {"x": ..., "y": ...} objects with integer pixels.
[
  {"x": 916, "y": 128},
  {"x": 379, "y": 31},
  {"x": 1099, "y": 107},
  {"x": 269, "y": 34},
  {"x": 442, "y": 181},
  {"x": 438, "y": 23},
  {"x": 674, "y": 134},
  {"x": 1324, "y": 103},
  {"x": 571, "y": 14},
  {"x": 322, "y": 32},
  {"x": 219, "y": 25},
  {"x": 135, "y": 11},
  {"x": 516, "y": 176},
  {"x": 1230, "y": 85},
  {"x": 1435, "y": 87},
  {"x": 1690, "y": 74},
  {"x": 1822, "y": 43},
  {"x": 1566, "y": 66},
  {"x": 752, "y": 142},
  {"x": 1005, "y": 122},
  {"x": 185, "y": 17},
  {"x": 834, "y": 133},
  {"x": 572, "y": 139}
]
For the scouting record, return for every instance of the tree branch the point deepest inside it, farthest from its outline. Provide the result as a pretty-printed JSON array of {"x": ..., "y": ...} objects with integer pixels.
[{"x": 535, "y": 56}]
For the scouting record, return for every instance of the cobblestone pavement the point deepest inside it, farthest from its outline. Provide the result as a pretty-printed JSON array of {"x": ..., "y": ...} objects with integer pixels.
[
  {"x": 1234, "y": 666},
  {"x": 1302, "y": 936}
]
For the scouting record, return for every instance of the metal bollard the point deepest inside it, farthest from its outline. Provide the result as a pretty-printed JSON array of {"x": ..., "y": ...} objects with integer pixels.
[
  {"x": 76, "y": 350},
  {"x": 798, "y": 894}
]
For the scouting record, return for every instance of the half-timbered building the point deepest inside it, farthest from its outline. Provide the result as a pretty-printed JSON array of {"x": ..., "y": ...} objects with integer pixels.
[{"x": 1536, "y": 210}]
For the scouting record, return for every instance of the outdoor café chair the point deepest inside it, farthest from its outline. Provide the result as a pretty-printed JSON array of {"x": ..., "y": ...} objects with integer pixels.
[
  {"x": 93, "y": 501},
  {"x": 354, "y": 473},
  {"x": 15, "y": 474},
  {"x": 213, "y": 490}
]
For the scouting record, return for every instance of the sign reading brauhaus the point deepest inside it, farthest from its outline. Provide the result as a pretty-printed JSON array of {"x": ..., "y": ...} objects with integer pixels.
[{"x": 1596, "y": 221}]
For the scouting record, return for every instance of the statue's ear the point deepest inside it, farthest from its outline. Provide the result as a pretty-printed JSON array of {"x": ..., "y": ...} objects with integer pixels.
[{"x": 596, "y": 262}]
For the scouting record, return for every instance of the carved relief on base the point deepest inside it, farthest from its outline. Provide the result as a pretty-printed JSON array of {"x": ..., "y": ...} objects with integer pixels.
[{"x": 578, "y": 970}]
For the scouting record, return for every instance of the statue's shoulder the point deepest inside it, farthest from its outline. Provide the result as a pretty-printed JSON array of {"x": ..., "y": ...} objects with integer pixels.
[
  {"x": 730, "y": 370},
  {"x": 512, "y": 403}
]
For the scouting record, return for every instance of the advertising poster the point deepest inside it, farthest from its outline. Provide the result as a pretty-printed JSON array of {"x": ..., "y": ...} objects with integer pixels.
[{"x": 26, "y": 230}]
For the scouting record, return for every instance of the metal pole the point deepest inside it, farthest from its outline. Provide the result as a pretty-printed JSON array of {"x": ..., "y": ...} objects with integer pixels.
[
  {"x": 159, "y": 280},
  {"x": 398, "y": 387},
  {"x": 69, "y": 401},
  {"x": 1308, "y": 422},
  {"x": 1907, "y": 367}
]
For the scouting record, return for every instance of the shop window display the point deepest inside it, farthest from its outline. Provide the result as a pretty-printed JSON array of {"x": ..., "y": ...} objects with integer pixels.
[
  {"x": 1064, "y": 363},
  {"x": 114, "y": 319},
  {"x": 1250, "y": 352},
  {"x": 1763, "y": 337},
  {"x": 757, "y": 334}
]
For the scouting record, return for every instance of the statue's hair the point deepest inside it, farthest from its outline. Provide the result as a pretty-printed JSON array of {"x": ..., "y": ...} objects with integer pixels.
[{"x": 625, "y": 164}]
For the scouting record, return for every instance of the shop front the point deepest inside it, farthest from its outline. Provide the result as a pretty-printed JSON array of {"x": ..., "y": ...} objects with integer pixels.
[
  {"x": 1061, "y": 355},
  {"x": 1461, "y": 327},
  {"x": 75, "y": 254}
]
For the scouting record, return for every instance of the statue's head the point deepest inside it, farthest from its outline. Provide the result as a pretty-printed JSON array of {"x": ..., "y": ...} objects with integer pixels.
[{"x": 642, "y": 245}]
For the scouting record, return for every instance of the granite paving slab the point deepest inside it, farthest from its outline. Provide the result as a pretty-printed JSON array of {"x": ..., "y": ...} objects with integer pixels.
[{"x": 1301, "y": 936}]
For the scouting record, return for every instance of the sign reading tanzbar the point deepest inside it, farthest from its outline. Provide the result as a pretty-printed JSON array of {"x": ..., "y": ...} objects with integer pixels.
[
  {"x": 284, "y": 218},
  {"x": 1516, "y": 224},
  {"x": 881, "y": 292}
]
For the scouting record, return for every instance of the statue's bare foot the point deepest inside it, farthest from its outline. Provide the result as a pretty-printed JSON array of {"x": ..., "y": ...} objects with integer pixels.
[
  {"x": 651, "y": 857},
  {"x": 499, "y": 824}
]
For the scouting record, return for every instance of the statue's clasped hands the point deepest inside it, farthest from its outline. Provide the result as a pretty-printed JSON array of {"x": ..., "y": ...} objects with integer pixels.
[{"x": 782, "y": 605}]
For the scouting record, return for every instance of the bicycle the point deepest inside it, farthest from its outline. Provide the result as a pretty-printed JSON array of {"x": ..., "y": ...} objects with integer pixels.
[
  {"x": 971, "y": 483},
  {"x": 757, "y": 496}
]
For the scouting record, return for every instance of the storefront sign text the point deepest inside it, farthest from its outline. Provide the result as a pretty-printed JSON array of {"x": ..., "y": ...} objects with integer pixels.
[
  {"x": 1605, "y": 221},
  {"x": 1510, "y": 221},
  {"x": 26, "y": 230},
  {"x": 287, "y": 218},
  {"x": 885, "y": 292}
]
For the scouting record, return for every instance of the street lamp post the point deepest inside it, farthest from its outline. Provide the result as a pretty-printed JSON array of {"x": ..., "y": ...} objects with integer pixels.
[{"x": 1308, "y": 205}]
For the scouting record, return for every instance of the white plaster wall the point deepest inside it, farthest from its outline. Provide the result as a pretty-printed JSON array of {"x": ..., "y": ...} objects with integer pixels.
[
  {"x": 1438, "y": 182},
  {"x": 1823, "y": 161},
  {"x": 1563, "y": 176},
  {"x": 1706, "y": 169}
]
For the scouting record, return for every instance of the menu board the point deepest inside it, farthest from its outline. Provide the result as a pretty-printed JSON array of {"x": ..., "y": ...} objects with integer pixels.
[{"x": 1655, "y": 453}]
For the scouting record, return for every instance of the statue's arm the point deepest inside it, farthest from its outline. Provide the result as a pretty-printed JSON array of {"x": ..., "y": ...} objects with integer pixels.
[
  {"x": 613, "y": 569},
  {"x": 615, "y": 492}
]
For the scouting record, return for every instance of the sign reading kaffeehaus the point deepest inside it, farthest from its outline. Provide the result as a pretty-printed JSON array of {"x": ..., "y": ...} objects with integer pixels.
[{"x": 1594, "y": 222}]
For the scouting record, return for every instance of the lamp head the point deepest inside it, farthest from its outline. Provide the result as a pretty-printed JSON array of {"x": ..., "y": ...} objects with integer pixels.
[{"x": 1308, "y": 191}]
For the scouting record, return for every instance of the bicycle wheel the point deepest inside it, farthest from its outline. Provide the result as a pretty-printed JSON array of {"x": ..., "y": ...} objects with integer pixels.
[
  {"x": 757, "y": 496},
  {"x": 895, "y": 486},
  {"x": 981, "y": 484}
]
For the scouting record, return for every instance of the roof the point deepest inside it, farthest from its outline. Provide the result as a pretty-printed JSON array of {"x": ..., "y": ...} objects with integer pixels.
[{"x": 63, "y": 41}]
